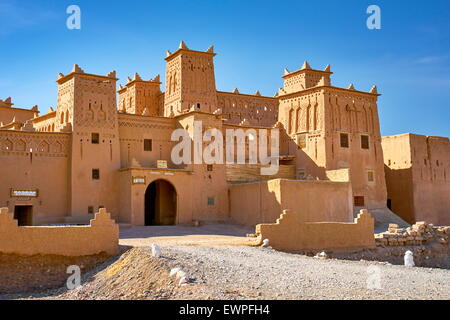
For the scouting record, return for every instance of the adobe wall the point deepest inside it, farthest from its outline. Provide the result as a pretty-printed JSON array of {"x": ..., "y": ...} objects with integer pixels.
[
  {"x": 290, "y": 233},
  {"x": 87, "y": 105},
  {"x": 398, "y": 171},
  {"x": 139, "y": 97},
  {"x": 356, "y": 113},
  {"x": 101, "y": 236},
  {"x": 46, "y": 122},
  {"x": 252, "y": 172},
  {"x": 256, "y": 109},
  {"x": 132, "y": 196},
  {"x": 45, "y": 169},
  {"x": 313, "y": 120},
  {"x": 431, "y": 179},
  {"x": 261, "y": 202},
  {"x": 206, "y": 184},
  {"x": 133, "y": 129},
  {"x": 7, "y": 114},
  {"x": 417, "y": 177}
]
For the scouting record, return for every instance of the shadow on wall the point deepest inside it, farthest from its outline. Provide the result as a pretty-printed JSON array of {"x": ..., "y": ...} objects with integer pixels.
[
  {"x": 314, "y": 201},
  {"x": 400, "y": 192},
  {"x": 102, "y": 235},
  {"x": 289, "y": 233},
  {"x": 304, "y": 162}
]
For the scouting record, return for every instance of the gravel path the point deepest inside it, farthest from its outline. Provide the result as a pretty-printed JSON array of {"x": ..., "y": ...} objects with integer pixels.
[{"x": 253, "y": 272}]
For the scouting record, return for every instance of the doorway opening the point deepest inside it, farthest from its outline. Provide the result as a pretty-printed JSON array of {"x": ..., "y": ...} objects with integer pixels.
[
  {"x": 23, "y": 215},
  {"x": 160, "y": 204}
]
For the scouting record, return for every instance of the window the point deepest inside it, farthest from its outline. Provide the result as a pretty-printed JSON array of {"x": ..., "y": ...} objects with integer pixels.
[
  {"x": 359, "y": 201},
  {"x": 370, "y": 176},
  {"x": 210, "y": 201},
  {"x": 301, "y": 141},
  {"x": 90, "y": 210},
  {"x": 147, "y": 144},
  {"x": 364, "y": 142},
  {"x": 198, "y": 106},
  {"x": 344, "y": 140},
  {"x": 95, "y": 174},
  {"x": 301, "y": 175},
  {"x": 95, "y": 138},
  {"x": 209, "y": 167}
]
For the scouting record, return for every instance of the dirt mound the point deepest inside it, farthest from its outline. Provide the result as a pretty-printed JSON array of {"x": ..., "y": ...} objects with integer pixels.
[{"x": 135, "y": 275}]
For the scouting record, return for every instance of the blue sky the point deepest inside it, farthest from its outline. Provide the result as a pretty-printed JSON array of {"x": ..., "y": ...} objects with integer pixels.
[{"x": 408, "y": 59}]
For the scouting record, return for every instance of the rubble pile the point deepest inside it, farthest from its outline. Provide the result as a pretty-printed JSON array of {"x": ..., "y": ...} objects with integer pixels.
[{"x": 416, "y": 235}]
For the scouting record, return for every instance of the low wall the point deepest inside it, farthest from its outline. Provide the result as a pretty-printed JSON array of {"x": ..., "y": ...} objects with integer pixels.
[
  {"x": 315, "y": 201},
  {"x": 290, "y": 234},
  {"x": 101, "y": 236}
]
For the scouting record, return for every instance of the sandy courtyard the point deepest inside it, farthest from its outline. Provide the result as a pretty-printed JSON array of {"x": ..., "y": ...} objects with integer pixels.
[{"x": 206, "y": 235}]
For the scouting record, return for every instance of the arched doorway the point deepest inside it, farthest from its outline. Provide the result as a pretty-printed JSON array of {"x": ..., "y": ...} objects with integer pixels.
[{"x": 160, "y": 203}]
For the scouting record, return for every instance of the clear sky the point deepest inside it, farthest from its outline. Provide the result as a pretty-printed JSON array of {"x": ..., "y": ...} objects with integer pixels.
[{"x": 408, "y": 59}]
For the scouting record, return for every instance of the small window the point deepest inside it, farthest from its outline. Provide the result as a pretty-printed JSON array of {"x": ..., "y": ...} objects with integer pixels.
[
  {"x": 344, "y": 140},
  {"x": 147, "y": 144},
  {"x": 301, "y": 141},
  {"x": 301, "y": 175},
  {"x": 209, "y": 167},
  {"x": 364, "y": 142},
  {"x": 95, "y": 138},
  {"x": 90, "y": 210},
  {"x": 95, "y": 174},
  {"x": 198, "y": 106},
  {"x": 370, "y": 176},
  {"x": 359, "y": 201},
  {"x": 210, "y": 201}
]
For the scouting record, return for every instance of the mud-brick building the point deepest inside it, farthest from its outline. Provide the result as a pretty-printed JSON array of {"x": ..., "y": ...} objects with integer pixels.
[{"x": 109, "y": 145}]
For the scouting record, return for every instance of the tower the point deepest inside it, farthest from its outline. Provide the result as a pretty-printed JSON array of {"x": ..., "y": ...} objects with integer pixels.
[
  {"x": 140, "y": 96},
  {"x": 190, "y": 81},
  {"x": 332, "y": 128},
  {"x": 305, "y": 78},
  {"x": 87, "y": 108}
]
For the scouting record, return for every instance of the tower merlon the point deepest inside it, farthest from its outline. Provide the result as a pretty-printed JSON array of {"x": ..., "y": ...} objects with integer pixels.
[
  {"x": 184, "y": 48},
  {"x": 76, "y": 70}
]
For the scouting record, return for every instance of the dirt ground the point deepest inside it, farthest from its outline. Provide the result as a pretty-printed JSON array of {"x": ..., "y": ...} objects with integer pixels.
[
  {"x": 205, "y": 235},
  {"x": 243, "y": 272},
  {"x": 223, "y": 264}
]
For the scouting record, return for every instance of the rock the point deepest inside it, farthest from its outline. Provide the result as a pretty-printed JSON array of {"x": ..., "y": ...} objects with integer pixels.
[
  {"x": 183, "y": 280},
  {"x": 408, "y": 259},
  {"x": 156, "y": 251},
  {"x": 174, "y": 271},
  {"x": 180, "y": 274},
  {"x": 265, "y": 243},
  {"x": 321, "y": 255}
]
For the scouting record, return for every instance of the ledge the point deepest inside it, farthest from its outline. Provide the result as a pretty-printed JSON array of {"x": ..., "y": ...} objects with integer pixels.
[{"x": 156, "y": 170}]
